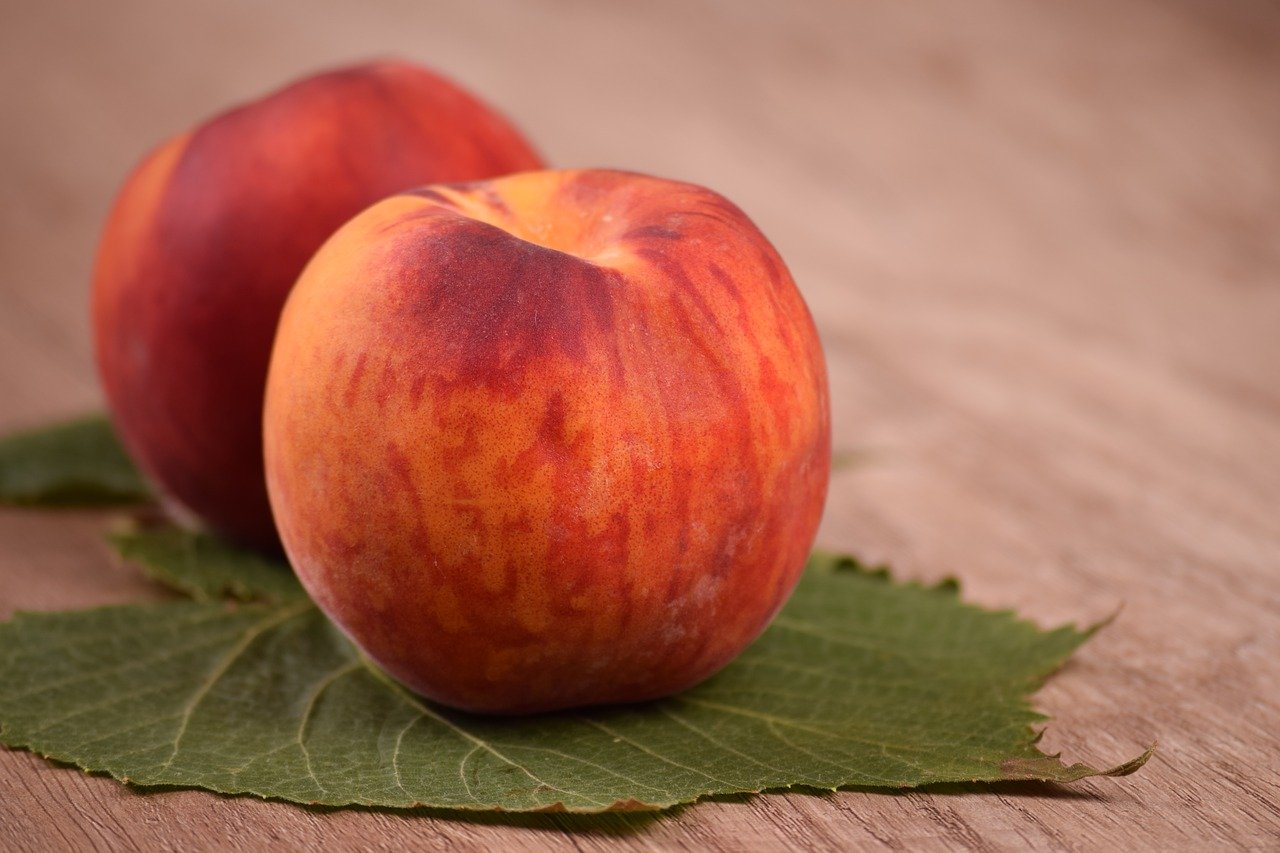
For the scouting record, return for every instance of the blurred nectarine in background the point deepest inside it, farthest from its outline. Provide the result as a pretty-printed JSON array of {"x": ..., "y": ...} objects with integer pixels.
[
  {"x": 551, "y": 440},
  {"x": 211, "y": 230}
]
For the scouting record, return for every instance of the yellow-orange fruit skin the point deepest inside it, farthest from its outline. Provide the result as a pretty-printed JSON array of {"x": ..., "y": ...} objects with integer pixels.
[
  {"x": 211, "y": 230},
  {"x": 553, "y": 440}
]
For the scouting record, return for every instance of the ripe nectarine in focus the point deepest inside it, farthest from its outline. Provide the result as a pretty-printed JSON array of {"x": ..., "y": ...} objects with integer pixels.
[
  {"x": 552, "y": 440},
  {"x": 211, "y": 230}
]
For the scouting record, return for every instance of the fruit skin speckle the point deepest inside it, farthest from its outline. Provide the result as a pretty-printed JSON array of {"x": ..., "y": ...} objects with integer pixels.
[
  {"x": 208, "y": 235},
  {"x": 552, "y": 440}
]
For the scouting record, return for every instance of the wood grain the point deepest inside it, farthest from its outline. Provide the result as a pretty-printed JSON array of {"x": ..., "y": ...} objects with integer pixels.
[{"x": 1042, "y": 242}]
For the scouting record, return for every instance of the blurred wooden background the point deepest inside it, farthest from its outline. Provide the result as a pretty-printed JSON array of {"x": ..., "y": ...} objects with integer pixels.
[{"x": 1041, "y": 241}]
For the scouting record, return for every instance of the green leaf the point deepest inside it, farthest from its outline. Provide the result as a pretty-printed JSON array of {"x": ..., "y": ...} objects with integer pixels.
[
  {"x": 844, "y": 459},
  {"x": 204, "y": 567},
  {"x": 860, "y": 681},
  {"x": 78, "y": 463}
]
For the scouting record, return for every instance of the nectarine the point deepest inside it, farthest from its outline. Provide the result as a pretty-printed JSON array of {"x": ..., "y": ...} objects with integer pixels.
[
  {"x": 556, "y": 439},
  {"x": 211, "y": 230}
]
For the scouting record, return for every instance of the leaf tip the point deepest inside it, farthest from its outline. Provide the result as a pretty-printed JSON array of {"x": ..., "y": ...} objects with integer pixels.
[
  {"x": 1051, "y": 768},
  {"x": 1133, "y": 765},
  {"x": 1089, "y": 630}
]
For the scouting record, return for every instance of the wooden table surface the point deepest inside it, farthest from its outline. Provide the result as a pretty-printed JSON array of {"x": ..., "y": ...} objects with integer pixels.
[{"x": 1042, "y": 244}]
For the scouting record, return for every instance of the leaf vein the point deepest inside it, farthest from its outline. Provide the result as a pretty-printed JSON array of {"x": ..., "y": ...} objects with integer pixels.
[{"x": 228, "y": 660}]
